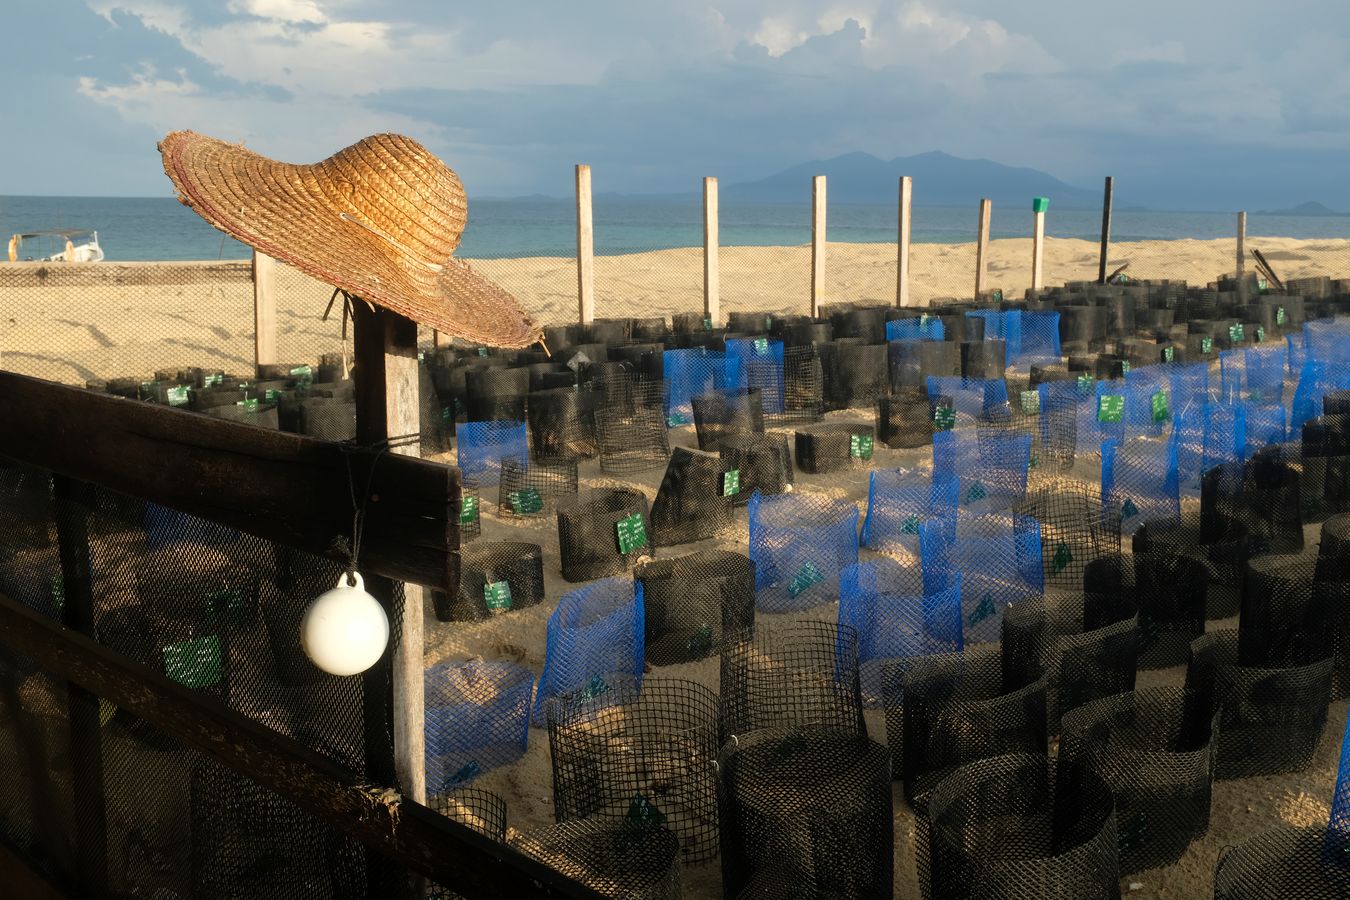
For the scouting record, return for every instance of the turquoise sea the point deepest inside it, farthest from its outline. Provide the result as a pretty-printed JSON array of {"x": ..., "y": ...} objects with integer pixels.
[{"x": 149, "y": 228}]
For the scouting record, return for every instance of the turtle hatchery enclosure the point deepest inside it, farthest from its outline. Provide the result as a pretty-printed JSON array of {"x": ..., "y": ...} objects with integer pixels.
[{"x": 1045, "y": 598}]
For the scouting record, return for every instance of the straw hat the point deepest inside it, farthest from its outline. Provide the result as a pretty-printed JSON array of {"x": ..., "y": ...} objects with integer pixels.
[{"x": 379, "y": 220}]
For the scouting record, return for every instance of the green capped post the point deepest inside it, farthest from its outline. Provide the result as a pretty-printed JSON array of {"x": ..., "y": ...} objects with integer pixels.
[{"x": 1040, "y": 204}]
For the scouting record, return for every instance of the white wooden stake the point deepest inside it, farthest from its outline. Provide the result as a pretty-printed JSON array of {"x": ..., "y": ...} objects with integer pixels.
[
  {"x": 902, "y": 241},
  {"x": 585, "y": 248},
  {"x": 712, "y": 279},
  {"x": 817, "y": 243}
]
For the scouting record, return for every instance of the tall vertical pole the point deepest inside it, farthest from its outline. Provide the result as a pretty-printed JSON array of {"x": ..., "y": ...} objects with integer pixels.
[
  {"x": 1106, "y": 228},
  {"x": 902, "y": 241},
  {"x": 982, "y": 245},
  {"x": 1241, "y": 245},
  {"x": 712, "y": 278},
  {"x": 585, "y": 248},
  {"x": 817, "y": 244},
  {"x": 1038, "y": 207},
  {"x": 264, "y": 309}
]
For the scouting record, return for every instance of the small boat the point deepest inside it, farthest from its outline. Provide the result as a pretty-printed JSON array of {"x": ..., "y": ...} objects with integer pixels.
[{"x": 66, "y": 245}]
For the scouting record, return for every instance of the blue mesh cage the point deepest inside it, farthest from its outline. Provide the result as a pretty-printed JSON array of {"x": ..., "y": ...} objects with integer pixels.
[
  {"x": 1225, "y": 434},
  {"x": 596, "y": 630},
  {"x": 799, "y": 543},
  {"x": 1317, "y": 379},
  {"x": 974, "y": 399},
  {"x": 1002, "y": 326},
  {"x": 690, "y": 373},
  {"x": 757, "y": 363},
  {"x": 1189, "y": 384},
  {"x": 884, "y": 603},
  {"x": 1338, "y": 825},
  {"x": 1294, "y": 353},
  {"x": 1040, "y": 339},
  {"x": 995, "y": 556},
  {"x": 1140, "y": 478},
  {"x": 899, "y": 501},
  {"x": 1252, "y": 373},
  {"x": 1107, "y": 413},
  {"x": 483, "y": 446},
  {"x": 1327, "y": 340},
  {"x": 1061, "y": 403},
  {"x": 990, "y": 466},
  {"x": 477, "y": 718},
  {"x": 920, "y": 328},
  {"x": 1265, "y": 425},
  {"x": 1148, "y": 402}
]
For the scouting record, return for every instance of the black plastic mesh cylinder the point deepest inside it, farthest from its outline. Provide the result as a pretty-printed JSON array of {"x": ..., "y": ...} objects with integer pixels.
[
  {"x": 791, "y": 673},
  {"x": 803, "y": 388},
  {"x": 588, "y": 541},
  {"x": 1159, "y": 770},
  {"x": 562, "y": 423},
  {"x": 806, "y": 813},
  {"x": 628, "y": 861},
  {"x": 904, "y": 420},
  {"x": 631, "y": 442},
  {"x": 483, "y": 811},
  {"x": 484, "y": 567},
  {"x": 534, "y": 487},
  {"x": 1020, "y": 826},
  {"x": 640, "y": 751},
  {"x": 1076, "y": 528},
  {"x": 983, "y": 359},
  {"x": 763, "y": 461},
  {"x": 692, "y": 601},
  {"x": 855, "y": 373},
  {"x": 1281, "y": 864},
  {"x": 1286, "y": 616},
  {"x": 1332, "y": 575},
  {"x": 831, "y": 446},
  {"x": 1224, "y": 559},
  {"x": 1169, "y": 592},
  {"x": 695, "y": 500},
  {"x": 496, "y": 394},
  {"x": 1262, "y": 494},
  {"x": 722, "y": 413}
]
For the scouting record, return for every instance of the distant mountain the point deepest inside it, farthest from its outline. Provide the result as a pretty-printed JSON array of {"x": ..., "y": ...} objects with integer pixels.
[
  {"x": 1311, "y": 208},
  {"x": 939, "y": 180}
]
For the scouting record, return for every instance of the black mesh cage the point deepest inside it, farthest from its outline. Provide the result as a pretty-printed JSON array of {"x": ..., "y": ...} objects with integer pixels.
[
  {"x": 696, "y": 498},
  {"x": 589, "y": 541},
  {"x": 806, "y": 812},
  {"x": 1332, "y": 575},
  {"x": 1262, "y": 495},
  {"x": 1076, "y": 528},
  {"x": 1019, "y": 825},
  {"x": 983, "y": 359},
  {"x": 533, "y": 487},
  {"x": 1269, "y": 718},
  {"x": 631, "y": 440},
  {"x": 1224, "y": 559},
  {"x": 481, "y": 810},
  {"x": 691, "y": 602},
  {"x": 1286, "y": 616},
  {"x": 834, "y": 445},
  {"x": 1158, "y": 766},
  {"x": 791, "y": 673},
  {"x": 496, "y": 394},
  {"x": 495, "y": 577},
  {"x": 948, "y": 709},
  {"x": 1169, "y": 592},
  {"x": 762, "y": 461},
  {"x": 803, "y": 389},
  {"x": 642, "y": 753},
  {"x": 721, "y": 413},
  {"x": 562, "y": 423},
  {"x": 626, "y": 861},
  {"x": 1281, "y": 864},
  {"x": 903, "y": 419},
  {"x": 855, "y": 373}
]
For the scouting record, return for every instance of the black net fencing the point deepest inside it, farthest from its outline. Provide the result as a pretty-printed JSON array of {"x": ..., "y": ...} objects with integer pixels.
[
  {"x": 625, "y": 861},
  {"x": 696, "y": 499},
  {"x": 603, "y": 532},
  {"x": 693, "y": 602},
  {"x": 1283, "y": 862}
]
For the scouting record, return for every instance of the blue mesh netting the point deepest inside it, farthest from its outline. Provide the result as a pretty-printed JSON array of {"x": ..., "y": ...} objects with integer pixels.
[
  {"x": 164, "y": 526},
  {"x": 1339, "y": 823},
  {"x": 1040, "y": 339},
  {"x": 596, "y": 630},
  {"x": 690, "y": 373},
  {"x": 1189, "y": 383},
  {"x": 1294, "y": 353},
  {"x": 1316, "y": 379},
  {"x": 757, "y": 363},
  {"x": 1139, "y": 477},
  {"x": 1002, "y": 326},
  {"x": 884, "y": 603},
  {"x": 974, "y": 399},
  {"x": 1062, "y": 404},
  {"x": 920, "y": 328},
  {"x": 1327, "y": 340},
  {"x": 997, "y": 557},
  {"x": 799, "y": 543},
  {"x": 1253, "y": 373},
  {"x": 1107, "y": 412},
  {"x": 483, "y": 446},
  {"x": 477, "y": 718},
  {"x": 899, "y": 501},
  {"x": 1148, "y": 402},
  {"x": 1225, "y": 433},
  {"x": 1265, "y": 425},
  {"x": 990, "y": 466}
]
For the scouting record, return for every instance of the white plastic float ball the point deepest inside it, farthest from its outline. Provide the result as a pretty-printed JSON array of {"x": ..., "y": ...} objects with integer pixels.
[{"x": 345, "y": 631}]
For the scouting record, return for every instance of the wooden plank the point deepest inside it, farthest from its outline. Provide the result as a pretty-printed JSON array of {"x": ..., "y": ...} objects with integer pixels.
[
  {"x": 264, "y": 309},
  {"x": 1037, "y": 245},
  {"x": 283, "y": 487},
  {"x": 902, "y": 241},
  {"x": 1241, "y": 267},
  {"x": 712, "y": 276},
  {"x": 982, "y": 245},
  {"x": 1106, "y": 228},
  {"x": 409, "y": 834},
  {"x": 585, "y": 248},
  {"x": 817, "y": 244}
]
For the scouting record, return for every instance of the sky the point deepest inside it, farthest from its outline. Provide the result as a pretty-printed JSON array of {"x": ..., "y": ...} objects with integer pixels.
[{"x": 1189, "y": 105}]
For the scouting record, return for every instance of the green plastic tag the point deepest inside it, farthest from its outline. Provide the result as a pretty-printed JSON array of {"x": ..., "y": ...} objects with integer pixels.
[
  {"x": 250, "y": 405},
  {"x": 806, "y": 576},
  {"x": 594, "y": 688},
  {"x": 944, "y": 418},
  {"x": 1061, "y": 559},
  {"x": 177, "y": 396},
  {"x": 707, "y": 323},
  {"x": 1236, "y": 333},
  {"x": 228, "y": 606},
  {"x": 1084, "y": 384},
  {"x": 632, "y": 532},
  {"x": 525, "y": 502},
  {"x": 1161, "y": 409},
  {"x": 997, "y": 295},
  {"x": 983, "y": 611},
  {"x": 482, "y": 351},
  {"x": 1260, "y": 333},
  {"x": 468, "y": 510},
  {"x": 1034, "y": 461},
  {"x": 700, "y": 643},
  {"x": 1124, "y": 367},
  {"x": 213, "y": 380},
  {"x": 1206, "y": 344},
  {"x": 860, "y": 446},
  {"x": 642, "y": 812},
  {"x": 675, "y": 420},
  {"x": 761, "y": 346},
  {"x": 1262, "y": 285},
  {"x": 1169, "y": 354},
  {"x": 272, "y": 396},
  {"x": 910, "y": 525},
  {"x": 147, "y": 390},
  {"x": 194, "y": 663},
  {"x": 1128, "y": 510},
  {"x": 731, "y": 483},
  {"x": 768, "y": 323},
  {"x": 1040, "y": 204},
  {"x": 1031, "y": 402},
  {"x": 303, "y": 374},
  {"x": 1110, "y": 408},
  {"x": 447, "y": 413},
  {"x": 976, "y": 493},
  {"x": 497, "y": 595},
  {"x": 1279, "y": 315},
  {"x": 467, "y": 772}
]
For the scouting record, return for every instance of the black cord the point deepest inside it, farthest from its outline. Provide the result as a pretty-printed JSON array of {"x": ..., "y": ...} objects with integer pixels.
[{"x": 359, "y": 507}]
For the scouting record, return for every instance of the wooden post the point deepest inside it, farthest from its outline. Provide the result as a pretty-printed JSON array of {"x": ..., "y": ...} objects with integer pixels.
[
  {"x": 264, "y": 309},
  {"x": 712, "y": 276},
  {"x": 585, "y": 248},
  {"x": 1038, "y": 207},
  {"x": 1106, "y": 229},
  {"x": 817, "y": 244},
  {"x": 902, "y": 241},
  {"x": 1241, "y": 246},
  {"x": 982, "y": 245}
]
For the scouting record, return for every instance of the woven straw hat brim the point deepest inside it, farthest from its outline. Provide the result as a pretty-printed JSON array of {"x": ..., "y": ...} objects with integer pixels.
[{"x": 326, "y": 221}]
